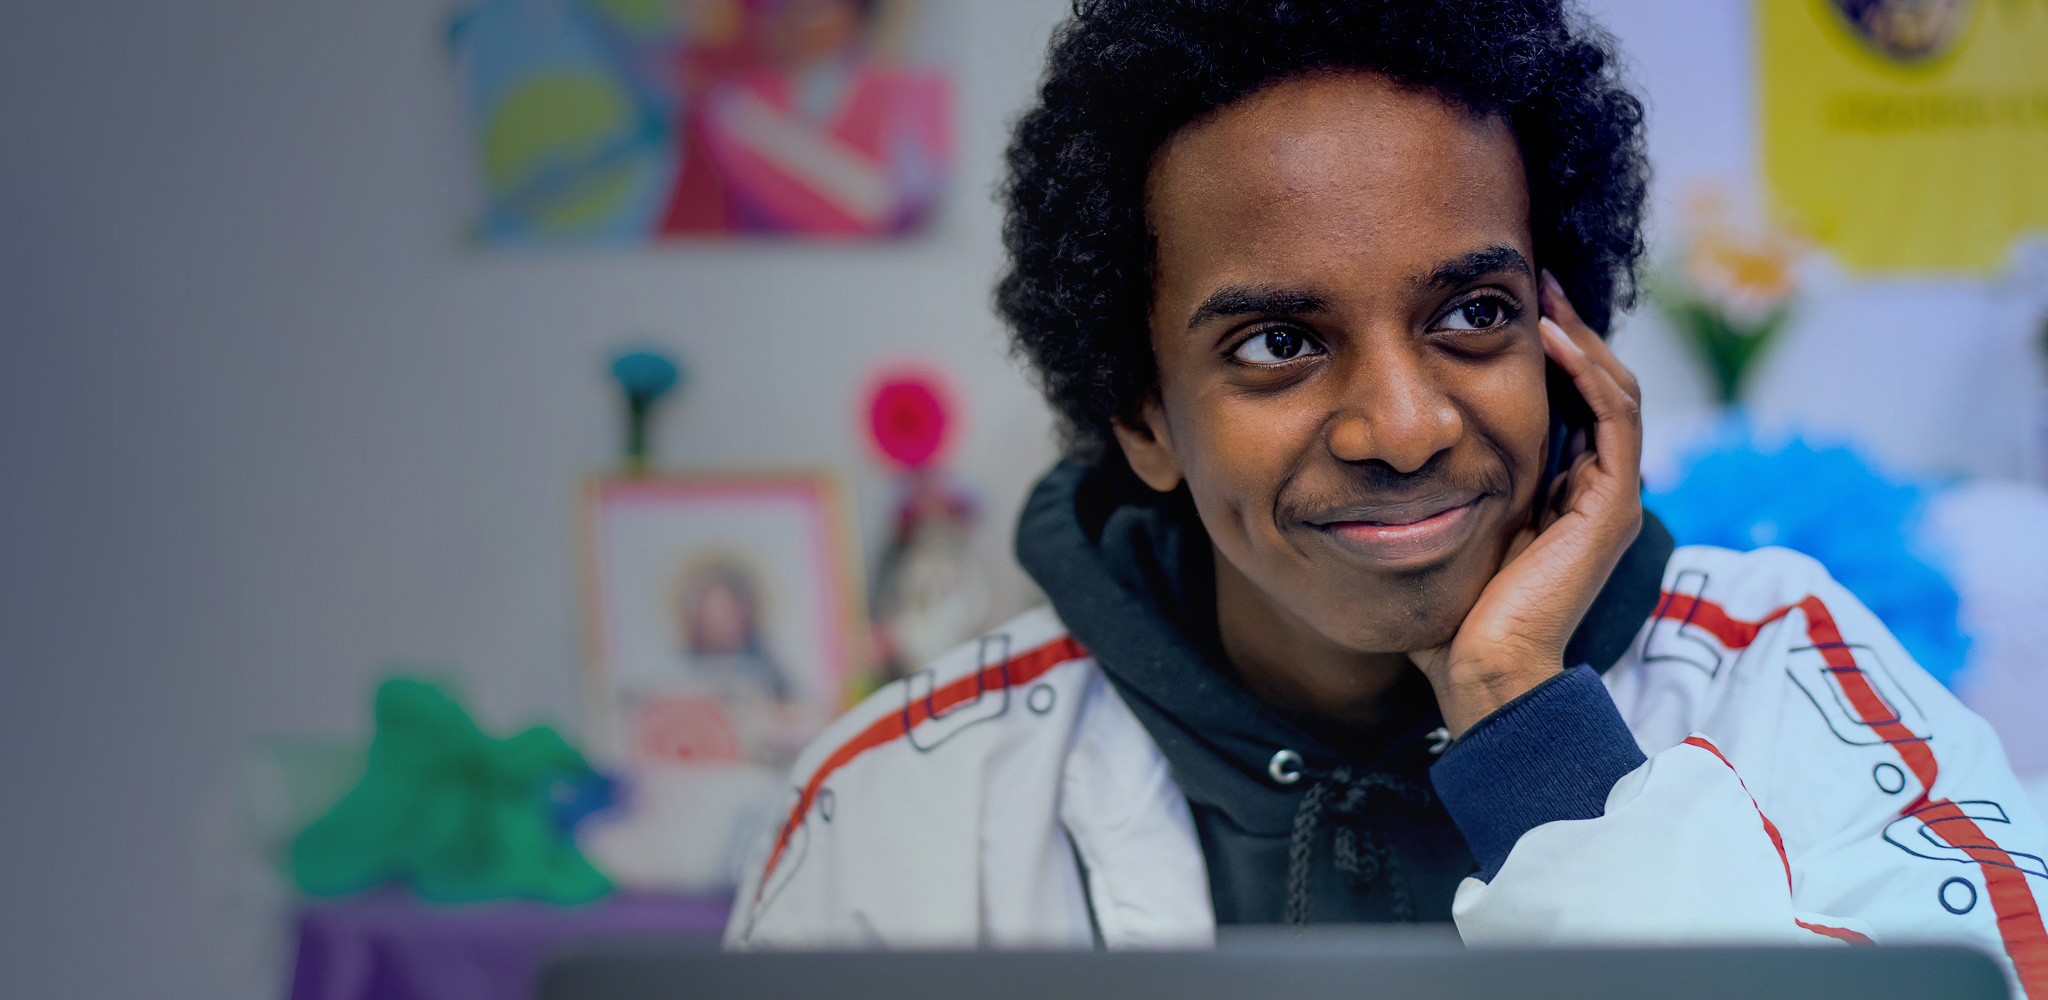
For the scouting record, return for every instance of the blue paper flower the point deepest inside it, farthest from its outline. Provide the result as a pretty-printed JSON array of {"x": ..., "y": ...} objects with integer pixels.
[{"x": 1831, "y": 505}]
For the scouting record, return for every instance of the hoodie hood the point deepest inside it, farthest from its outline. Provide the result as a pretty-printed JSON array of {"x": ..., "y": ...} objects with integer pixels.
[{"x": 1130, "y": 572}]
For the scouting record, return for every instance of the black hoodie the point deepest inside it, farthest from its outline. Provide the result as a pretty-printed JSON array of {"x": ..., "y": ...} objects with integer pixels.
[{"x": 1292, "y": 829}]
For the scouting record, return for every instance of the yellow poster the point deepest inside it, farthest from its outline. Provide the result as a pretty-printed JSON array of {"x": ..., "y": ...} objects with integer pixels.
[{"x": 1907, "y": 135}]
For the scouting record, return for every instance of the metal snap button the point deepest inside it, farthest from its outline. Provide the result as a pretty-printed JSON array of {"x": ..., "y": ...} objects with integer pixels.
[{"x": 1285, "y": 767}]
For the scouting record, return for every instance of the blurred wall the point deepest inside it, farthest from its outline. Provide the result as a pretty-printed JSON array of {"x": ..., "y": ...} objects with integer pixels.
[
  {"x": 1931, "y": 376},
  {"x": 266, "y": 427}
]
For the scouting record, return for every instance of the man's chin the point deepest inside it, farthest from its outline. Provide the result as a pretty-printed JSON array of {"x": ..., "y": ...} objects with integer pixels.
[
  {"x": 1384, "y": 623},
  {"x": 1406, "y": 611}
]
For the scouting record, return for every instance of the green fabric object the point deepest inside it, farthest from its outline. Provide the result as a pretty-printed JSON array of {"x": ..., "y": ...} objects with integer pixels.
[{"x": 453, "y": 813}]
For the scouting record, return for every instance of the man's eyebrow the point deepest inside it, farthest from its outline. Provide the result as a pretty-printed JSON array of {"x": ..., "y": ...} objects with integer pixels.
[
  {"x": 1246, "y": 300},
  {"x": 1475, "y": 265}
]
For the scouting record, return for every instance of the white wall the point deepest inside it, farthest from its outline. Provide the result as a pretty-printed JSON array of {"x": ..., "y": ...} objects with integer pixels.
[{"x": 265, "y": 427}]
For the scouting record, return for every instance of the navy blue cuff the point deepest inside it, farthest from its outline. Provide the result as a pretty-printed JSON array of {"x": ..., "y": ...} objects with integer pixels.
[{"x": 1553, "y": 753}]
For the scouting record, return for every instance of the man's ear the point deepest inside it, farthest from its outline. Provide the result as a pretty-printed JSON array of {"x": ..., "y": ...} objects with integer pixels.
[{"x": 1148, "y": 447}]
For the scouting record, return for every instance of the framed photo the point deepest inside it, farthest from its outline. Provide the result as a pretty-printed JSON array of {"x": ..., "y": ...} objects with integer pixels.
[{"x": 723, "y": 616}]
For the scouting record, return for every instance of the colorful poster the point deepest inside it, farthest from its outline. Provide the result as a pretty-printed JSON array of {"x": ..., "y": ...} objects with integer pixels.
[
  {"x": 634, "y": 120},
  {"x": 1907, "y": 135}
]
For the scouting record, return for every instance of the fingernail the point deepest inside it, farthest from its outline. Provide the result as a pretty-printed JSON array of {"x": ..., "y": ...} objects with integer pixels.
[
  {"x": 1557, "y": 331},
  {"x": 1551, "y": 283}
]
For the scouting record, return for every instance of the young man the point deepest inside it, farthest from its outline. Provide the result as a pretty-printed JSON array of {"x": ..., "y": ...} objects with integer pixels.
[{"x": 1356, "y": 615}]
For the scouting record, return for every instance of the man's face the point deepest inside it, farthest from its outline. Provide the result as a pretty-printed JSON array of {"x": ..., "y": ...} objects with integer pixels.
[{"x": 1350, "y": 377}]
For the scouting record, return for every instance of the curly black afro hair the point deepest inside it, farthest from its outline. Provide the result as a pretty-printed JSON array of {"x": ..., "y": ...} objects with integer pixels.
[{"x": 1124, "y": 75}]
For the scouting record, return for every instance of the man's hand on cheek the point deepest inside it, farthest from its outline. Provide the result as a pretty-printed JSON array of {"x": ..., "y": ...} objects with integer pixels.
[{"x": 1514, "y": 637}]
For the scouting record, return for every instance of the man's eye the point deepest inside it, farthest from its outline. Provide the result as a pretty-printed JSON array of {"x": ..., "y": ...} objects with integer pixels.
[
  {"x": 1274, "y": 347},
  {"x": 1478, "y": 314}
]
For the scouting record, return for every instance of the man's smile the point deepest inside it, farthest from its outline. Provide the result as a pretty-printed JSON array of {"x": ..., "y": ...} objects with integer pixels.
[{"x": 1404, "y": 534}]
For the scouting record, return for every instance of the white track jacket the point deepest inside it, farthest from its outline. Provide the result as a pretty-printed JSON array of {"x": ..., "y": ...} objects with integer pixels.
[{"x": 1806, "y": 781}]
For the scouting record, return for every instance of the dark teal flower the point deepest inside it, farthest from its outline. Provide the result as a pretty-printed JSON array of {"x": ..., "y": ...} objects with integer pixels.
[{"x": 645, "y": 376}]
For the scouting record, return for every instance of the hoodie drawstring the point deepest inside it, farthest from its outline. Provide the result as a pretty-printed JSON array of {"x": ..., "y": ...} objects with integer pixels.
[{"x": 1360, "y": 851}]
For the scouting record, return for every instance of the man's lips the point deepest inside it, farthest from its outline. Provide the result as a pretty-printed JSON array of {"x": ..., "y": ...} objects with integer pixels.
[
  {"x": 1397, "y": 513},
  {"x": 1406, "y": 531}
]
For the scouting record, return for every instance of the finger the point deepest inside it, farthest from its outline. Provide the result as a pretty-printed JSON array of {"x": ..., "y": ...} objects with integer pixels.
[
  {"x": 1598, "y": 386},
  {"x": 1573, "y": 483},
  {"x": 1562, "y": 494},
  {"x": 1557, "y": 304},
  {"x": 1559, "y": 307},
  {"x": 1618, "y": 430}
]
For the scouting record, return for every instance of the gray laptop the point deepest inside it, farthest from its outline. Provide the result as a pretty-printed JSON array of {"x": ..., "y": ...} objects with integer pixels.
[{"x": 1355, "y": 964}]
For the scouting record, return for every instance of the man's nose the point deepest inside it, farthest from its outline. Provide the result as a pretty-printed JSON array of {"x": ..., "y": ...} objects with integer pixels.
[{"x": 1391, "y": 410}]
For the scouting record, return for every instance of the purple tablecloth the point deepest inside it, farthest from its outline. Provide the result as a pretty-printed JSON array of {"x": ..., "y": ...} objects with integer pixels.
[{"x": 392, "y": 946}]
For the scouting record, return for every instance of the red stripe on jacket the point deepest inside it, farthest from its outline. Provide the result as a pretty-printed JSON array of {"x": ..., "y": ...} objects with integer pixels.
[
  {"x": 2019, "y": 915},
  {"x": 1020, "y": 669}
]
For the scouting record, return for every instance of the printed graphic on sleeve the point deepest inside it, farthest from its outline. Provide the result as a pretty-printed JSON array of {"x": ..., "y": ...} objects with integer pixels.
[
  {"x": 930, "y": 716},
  {"x": 1861, "y": 702},
  {"x": 1954, "y": 831},
  {"x": 1674, "y": 634},
  {"x": 988, "y": 698}
]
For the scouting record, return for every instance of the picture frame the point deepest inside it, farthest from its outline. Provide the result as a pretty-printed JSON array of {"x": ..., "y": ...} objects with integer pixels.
[{"x": 724, "y": 624}]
